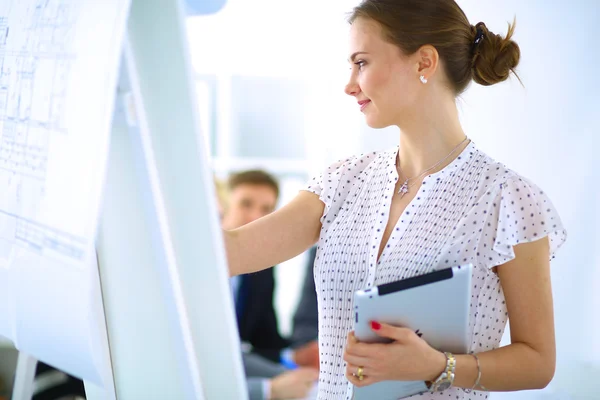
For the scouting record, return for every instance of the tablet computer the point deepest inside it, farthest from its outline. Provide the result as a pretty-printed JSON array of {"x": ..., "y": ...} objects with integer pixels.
[{"x": 435, "y": 305}]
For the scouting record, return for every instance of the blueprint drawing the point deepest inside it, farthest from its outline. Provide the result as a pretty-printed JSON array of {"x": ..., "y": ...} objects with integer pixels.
[{"x": 59, "y": 63}]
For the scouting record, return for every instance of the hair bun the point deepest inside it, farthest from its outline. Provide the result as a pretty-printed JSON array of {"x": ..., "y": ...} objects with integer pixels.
[{"x": 494, "y": 56}]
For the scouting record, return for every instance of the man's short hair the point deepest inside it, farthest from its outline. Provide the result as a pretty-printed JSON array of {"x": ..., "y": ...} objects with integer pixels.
[{"x": 253, "y": 177}]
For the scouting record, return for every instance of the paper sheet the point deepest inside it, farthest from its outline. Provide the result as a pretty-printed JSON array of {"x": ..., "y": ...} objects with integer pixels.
[{"x": 58, "y": 71}]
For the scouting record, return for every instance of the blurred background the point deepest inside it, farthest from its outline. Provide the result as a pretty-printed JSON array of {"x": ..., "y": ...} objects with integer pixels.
[{"x": 271, "y": 96}]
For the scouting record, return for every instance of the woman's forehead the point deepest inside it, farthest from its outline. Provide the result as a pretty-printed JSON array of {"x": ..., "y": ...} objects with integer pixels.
[
  {"x": 365, "y": 30},
  {"x": 365, "y": 36}
]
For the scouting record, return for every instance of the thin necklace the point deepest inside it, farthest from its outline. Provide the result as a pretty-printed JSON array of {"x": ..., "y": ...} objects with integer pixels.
[{"x": 405, "y": 186}]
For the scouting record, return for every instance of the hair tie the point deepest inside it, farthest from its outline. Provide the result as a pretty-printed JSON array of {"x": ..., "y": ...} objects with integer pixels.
[{"x": 478, "y": 37}]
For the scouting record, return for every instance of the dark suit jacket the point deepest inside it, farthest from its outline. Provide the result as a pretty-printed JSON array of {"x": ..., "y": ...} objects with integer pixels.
[
  {"x": 53, "y": 384},
  {"x": 306, "y": 319},
  {"x": 257, "y": 324}
]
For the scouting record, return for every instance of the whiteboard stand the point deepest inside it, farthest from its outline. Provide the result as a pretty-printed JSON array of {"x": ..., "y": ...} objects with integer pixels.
[
  {"x": 23, "y": 385},
  {"x": 169, "y": 312},
  {"x": 162, "y": 306}
]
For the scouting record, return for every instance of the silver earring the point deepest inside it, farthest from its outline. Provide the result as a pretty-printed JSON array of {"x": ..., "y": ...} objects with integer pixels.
[{"x": 423, "y": 79}]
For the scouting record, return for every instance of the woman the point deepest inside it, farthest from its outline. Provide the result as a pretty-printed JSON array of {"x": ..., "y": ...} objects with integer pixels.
[{"x": 434, "y": 201}]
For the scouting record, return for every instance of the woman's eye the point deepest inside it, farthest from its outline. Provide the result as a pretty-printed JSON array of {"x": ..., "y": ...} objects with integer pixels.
[{"x": 360, "y": 63}]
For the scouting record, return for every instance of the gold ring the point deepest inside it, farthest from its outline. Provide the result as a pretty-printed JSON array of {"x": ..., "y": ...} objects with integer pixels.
[{"x": 359, "y": 374}]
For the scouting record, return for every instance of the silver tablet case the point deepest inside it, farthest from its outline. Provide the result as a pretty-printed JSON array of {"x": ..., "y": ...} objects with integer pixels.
[{"x": 435, "y": 304}]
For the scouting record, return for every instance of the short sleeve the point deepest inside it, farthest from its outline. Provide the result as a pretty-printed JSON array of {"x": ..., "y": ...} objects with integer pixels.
[
  {"x": 325, "y": 185},
  {"x": 518, "y": 212}
]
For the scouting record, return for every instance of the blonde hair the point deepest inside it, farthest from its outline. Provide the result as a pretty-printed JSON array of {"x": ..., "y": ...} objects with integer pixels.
[{"x": 222, "y": 194}]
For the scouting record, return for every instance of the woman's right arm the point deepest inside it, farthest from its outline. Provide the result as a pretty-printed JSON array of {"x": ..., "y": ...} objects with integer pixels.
[{"x": 276, "y": 237}]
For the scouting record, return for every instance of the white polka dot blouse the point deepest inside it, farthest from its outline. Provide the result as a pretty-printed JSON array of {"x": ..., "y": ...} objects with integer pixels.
[{"x": 472, "y": 211}]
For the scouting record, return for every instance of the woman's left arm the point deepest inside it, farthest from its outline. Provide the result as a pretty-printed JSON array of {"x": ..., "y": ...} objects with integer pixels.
[{"x": 527, "y": 363}]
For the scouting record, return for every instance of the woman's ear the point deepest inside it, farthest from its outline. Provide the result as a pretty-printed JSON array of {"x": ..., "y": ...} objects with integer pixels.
[{"x": 427, "y": 61}]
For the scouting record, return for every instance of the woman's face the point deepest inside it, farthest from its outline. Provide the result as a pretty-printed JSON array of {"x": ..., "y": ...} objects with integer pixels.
[{"x": 383, "y": 80}]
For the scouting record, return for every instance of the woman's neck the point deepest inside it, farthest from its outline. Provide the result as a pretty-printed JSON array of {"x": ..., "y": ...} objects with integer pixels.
[{"x": 427, "y": 139}]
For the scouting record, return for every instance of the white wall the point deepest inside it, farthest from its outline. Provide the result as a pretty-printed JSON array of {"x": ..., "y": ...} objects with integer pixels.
[{"x": 546, "y": 132}]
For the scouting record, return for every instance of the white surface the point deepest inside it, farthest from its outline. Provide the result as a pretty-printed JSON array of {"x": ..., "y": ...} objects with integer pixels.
[
  {"x": 23, "y": 389},
  {"x": 168, "y": 307},
  {"x": 197, "y": 272},
  {"x": 57, "y": 81}
]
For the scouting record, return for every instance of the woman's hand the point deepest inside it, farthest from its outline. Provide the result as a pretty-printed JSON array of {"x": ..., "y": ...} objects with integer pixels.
[{"x": 407, "y": 358}]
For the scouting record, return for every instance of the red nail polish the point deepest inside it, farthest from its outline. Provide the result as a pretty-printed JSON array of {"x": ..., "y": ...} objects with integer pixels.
[{"x": 375, "y": 325}]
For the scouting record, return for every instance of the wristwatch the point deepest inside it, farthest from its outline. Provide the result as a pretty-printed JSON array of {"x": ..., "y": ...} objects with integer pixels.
[{"x": 446, "y": 379}]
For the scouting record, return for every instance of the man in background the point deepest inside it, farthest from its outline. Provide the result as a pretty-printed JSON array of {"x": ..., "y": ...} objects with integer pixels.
[{"x": 250, "y": 196}]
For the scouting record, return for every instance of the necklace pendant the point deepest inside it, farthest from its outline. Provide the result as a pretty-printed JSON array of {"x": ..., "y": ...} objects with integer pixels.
[{"x": 403, "y": 189}]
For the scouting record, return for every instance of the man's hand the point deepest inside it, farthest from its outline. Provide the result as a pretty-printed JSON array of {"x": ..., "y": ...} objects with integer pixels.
[
  {"x": 307, "y": 355},
  {"x": 295, "y": 384}
]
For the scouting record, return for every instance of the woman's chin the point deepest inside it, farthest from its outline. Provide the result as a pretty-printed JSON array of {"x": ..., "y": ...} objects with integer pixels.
[{"x": 375, "y": 123}]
